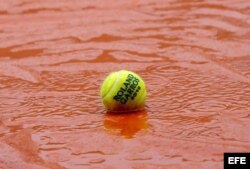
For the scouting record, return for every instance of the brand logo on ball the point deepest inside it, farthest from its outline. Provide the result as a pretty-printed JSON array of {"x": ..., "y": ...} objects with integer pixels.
[{"x": 129, "y": 90}]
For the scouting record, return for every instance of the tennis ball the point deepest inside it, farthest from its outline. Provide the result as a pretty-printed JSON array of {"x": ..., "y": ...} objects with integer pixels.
[{"x": 123, "y": 91}]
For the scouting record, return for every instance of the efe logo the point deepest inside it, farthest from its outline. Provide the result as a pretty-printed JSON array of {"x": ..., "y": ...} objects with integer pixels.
[{"x": 236, "y": 160}]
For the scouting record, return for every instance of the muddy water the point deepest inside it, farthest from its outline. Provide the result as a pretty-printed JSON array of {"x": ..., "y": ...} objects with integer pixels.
[{"x": 194, "y": 57}]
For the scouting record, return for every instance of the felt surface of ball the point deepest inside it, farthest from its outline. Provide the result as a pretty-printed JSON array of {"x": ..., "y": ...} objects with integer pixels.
[{"x": 123, "y": 91}]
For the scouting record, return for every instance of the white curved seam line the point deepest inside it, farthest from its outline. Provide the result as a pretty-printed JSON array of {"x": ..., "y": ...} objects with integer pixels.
[{"x": 114, "y": 84}]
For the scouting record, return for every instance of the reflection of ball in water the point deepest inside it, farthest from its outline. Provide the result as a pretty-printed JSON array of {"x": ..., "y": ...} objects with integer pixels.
[
  {"x": 123, "y": 91},
  {"x": 126, "y": 125}
]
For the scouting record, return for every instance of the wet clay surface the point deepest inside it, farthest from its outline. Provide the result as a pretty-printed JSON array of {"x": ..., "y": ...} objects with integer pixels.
[{"x": 193, "y": 55}]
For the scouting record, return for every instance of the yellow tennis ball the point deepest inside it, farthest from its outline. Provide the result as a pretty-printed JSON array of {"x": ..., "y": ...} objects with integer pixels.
[{"x": 123, "y": 91}]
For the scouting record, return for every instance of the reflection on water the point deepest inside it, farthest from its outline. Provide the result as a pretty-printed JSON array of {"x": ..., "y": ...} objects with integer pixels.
[
  {"x": 126, "y": 125},
  {"x": 193, "y": 56}
]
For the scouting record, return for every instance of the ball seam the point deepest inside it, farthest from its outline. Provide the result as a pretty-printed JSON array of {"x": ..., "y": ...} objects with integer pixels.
[{"x": 118, "y": 77}]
